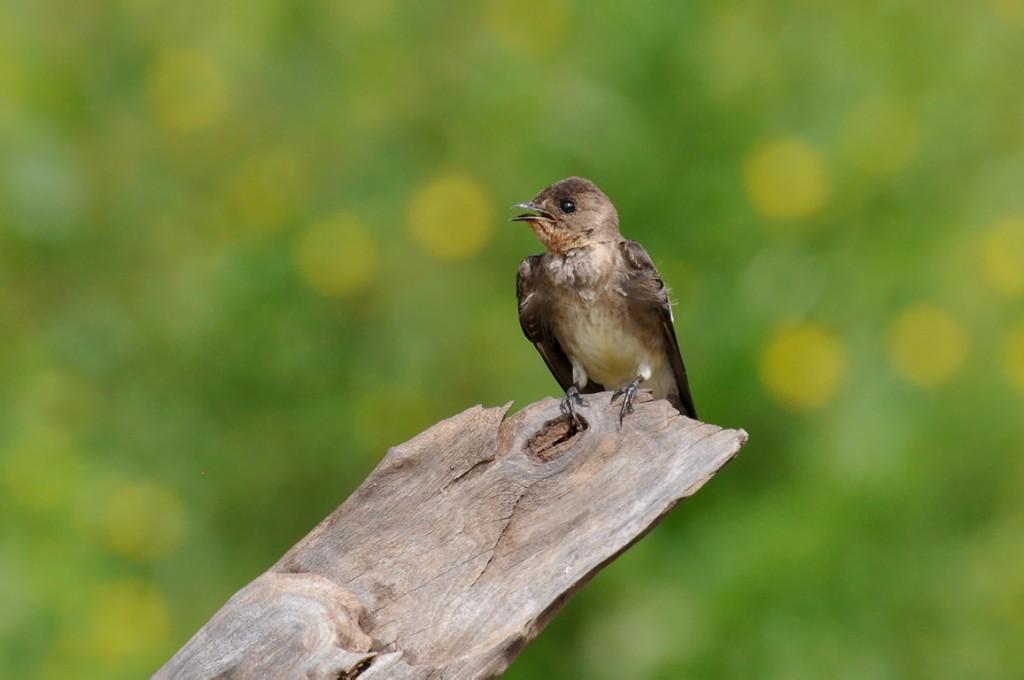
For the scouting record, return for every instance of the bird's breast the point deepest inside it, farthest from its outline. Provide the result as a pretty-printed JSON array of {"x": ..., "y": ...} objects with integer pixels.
[{"x": 598, "y": 333}]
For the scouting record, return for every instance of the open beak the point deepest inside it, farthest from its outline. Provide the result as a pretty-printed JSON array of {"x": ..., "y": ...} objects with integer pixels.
[{"x": 541, "y": 214}]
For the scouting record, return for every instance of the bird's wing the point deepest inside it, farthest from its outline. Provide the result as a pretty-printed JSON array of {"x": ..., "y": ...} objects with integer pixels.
[
  {"x": 535, "y": 318},
  {"x": 644, "y": 285}
]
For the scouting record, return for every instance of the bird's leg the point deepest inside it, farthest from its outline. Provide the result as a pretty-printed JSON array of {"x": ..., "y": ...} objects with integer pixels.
[
  {"x": 628, "y": 394},
  {"x": 570, "y": 401}
]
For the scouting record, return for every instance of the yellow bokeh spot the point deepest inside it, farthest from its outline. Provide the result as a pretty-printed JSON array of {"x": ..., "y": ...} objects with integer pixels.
[
  {"x": 452, "y": 217},
  {"x": 268, "y": 189},
  {"x": 529, "y": 26},
  {"x": 786, "y": 179},
  {"x": 189, "y": 90},
  {"x": 336, "y": 255},
  {"x": 40, "y": 467},
  {"x": 927, "y": 345},
  {"x": 141, "y": 520},
  {"x": 879, "y": 135},
  {"x": 802, "y": 365},
  {"x": 1003, "y": 256},
  {"x": 129, "y": 620},
  {"x": 1013, "y": 356}
]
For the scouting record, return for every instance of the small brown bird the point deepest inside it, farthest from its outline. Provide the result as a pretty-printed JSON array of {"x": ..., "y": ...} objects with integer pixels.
[{"x": 594, "y": 305}]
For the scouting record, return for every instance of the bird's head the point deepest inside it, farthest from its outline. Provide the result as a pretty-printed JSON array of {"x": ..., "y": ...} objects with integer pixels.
[{"x": 571, "y": 214}]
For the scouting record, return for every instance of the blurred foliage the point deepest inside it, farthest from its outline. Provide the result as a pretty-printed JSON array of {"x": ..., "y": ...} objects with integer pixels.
[{"x": 246, "y": 246}]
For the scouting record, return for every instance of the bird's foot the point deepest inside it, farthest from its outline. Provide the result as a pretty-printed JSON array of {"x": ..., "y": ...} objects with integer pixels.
[
  {"x": 570, "y": 402},
  {"x": 628, "y": 394}
]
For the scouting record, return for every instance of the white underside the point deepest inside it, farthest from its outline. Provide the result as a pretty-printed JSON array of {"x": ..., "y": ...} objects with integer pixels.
[{"x": 602, "y": 351}]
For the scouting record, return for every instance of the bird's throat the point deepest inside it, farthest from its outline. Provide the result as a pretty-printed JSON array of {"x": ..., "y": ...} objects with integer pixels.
[{"x": 555, "y": 238}]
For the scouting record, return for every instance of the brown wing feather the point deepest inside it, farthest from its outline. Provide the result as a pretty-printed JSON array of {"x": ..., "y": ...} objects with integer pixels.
[
  {"x": 647, "y": 283},
  {"x": 534, "y": 317}
]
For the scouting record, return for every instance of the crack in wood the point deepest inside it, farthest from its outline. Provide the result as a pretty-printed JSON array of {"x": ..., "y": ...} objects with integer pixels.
[
  {"x": 358, "y": 669},
  {"x": 497, "y": 541},
  {"x": 426, "y": 583},
  {"x": 478, "y": 465}
]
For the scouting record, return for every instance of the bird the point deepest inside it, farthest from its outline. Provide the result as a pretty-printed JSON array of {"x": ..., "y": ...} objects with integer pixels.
[{"x": 594, "y": 305}]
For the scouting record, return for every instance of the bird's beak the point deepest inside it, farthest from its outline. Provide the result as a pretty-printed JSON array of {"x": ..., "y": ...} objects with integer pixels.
[{"x": 542, "y": 214}]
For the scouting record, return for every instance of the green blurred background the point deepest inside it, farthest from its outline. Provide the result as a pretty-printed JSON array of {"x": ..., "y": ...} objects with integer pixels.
[{"x": 245, "y": 246}]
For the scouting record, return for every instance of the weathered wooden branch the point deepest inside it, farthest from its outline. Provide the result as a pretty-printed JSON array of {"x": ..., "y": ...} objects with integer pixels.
[{"x": 461, "y": 546}]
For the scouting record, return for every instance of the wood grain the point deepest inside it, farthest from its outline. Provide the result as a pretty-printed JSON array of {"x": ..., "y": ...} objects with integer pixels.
[{"x": 459, "y": 548}]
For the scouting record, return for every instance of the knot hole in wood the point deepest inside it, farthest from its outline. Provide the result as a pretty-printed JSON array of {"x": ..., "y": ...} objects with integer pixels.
[{"x": 554, "y": 438}]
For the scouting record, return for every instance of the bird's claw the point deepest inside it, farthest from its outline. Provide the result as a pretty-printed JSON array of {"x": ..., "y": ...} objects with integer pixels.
[
  {"x": 628, "y": 394},
  {"x": 570, "y": 402}
]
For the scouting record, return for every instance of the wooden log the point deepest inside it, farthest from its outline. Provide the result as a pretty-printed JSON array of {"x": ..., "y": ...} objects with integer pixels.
[{"x": 461, "y": 545}]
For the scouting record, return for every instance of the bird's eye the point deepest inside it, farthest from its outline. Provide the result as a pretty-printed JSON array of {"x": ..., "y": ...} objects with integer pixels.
[{"x": 567, "y": 206}]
